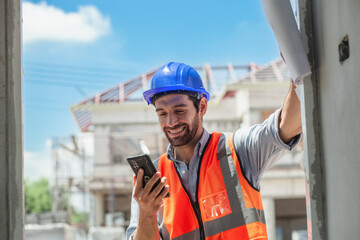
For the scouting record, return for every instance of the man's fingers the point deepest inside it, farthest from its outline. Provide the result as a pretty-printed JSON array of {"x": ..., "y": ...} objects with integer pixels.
[
  {"x": 139, "y": 178},
  {"x": 138, "y": 184},
  {"x": 164, "y": 192},
  {"x": 161, "y": 190},
  {"x": 159, "y": 187},
  {"x": 151, "y": 182},
  {"x": 149, "y": 200},
  {"x": 134, "y": 179}
]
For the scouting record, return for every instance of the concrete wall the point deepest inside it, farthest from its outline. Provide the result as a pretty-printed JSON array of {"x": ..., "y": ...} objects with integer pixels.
[
  {"x": 11, "y": 159},
  {"x": 335, "y": 117},
  {"x": 339, "y": 101}
]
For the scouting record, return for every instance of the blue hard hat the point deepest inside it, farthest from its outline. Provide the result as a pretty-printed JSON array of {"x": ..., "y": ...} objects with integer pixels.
[{"x": 175, "y": 78}]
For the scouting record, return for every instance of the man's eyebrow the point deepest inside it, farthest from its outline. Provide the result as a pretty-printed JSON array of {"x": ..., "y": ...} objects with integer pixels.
[
  {"x": 181, "y": 105},
  {"x": 176, "y": 106}
]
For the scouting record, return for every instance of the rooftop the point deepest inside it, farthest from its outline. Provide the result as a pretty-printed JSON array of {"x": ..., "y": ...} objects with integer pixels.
[{"x": 214, "y": 77}]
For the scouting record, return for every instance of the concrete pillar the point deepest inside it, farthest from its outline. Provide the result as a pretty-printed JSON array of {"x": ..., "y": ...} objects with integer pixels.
[
  {"x": 336, "y": 34},
  {"x": 243, "y": 107},
  {"x": 92, "y": 214},
  {"x": 11, "y": 156},
  {"x": 270, "y": 218},
  {"x": 102, "y": 153},
  {"x": 99, "y": 209},
  {"x": 331, "y": 101},
  {"x": 309, "y": 98}
]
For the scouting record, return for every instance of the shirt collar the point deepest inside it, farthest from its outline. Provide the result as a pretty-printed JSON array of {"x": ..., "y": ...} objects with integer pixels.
[{"x": 199, "y": 147}]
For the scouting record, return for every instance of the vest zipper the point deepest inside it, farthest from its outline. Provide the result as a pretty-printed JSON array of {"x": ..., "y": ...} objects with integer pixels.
[
  {"x": 202, "y": 231},
  {"x": 201, "y": 224},
  {"x": 195, "y": 205}
]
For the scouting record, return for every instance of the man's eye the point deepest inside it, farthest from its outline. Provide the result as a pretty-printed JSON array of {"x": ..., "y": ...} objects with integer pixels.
[
  {"x": 162, "y": 114},
  {"x": 179, "y": 111}
]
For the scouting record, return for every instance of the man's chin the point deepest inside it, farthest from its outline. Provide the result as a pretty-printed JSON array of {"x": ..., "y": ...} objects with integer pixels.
[
  {"x": 177, "y": 142},
  {"x": 177, "y": 145}
]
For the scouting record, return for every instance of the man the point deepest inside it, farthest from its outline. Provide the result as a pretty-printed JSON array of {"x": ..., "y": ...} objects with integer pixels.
[{"x": 213, "y": 179}]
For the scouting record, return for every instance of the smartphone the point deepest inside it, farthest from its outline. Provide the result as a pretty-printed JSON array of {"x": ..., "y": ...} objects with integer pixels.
[{"x": 143, "y": 161}]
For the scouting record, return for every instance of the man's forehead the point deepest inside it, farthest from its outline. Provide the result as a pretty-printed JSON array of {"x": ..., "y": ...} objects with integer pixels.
[{"x": 172, "y": 100}]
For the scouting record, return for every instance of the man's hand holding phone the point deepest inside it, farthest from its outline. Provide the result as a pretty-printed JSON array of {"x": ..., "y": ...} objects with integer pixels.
[
  {"x": 149, "y": 200},
  {"x": 149, "y": 190}
]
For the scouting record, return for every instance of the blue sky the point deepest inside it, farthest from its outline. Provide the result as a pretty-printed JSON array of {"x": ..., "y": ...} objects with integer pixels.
[{"x": 74, "y": 49}]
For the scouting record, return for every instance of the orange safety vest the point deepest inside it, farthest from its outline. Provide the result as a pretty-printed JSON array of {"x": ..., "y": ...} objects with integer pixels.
[{"x": 227, "y": 207}]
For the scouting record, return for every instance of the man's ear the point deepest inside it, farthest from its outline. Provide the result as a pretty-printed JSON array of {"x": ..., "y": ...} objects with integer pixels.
[{"x": 202, "y": 106}]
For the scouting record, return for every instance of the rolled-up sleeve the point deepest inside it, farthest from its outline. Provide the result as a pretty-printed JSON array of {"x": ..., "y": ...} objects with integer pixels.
[{"x": 260, "y": 146}]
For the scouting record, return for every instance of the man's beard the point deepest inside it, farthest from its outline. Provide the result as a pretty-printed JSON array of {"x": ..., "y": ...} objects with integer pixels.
[{"x": 187, "y": 137}]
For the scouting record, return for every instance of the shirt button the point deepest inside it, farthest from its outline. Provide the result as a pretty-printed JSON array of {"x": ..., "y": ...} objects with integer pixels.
[{"x": 183, "y": 172}]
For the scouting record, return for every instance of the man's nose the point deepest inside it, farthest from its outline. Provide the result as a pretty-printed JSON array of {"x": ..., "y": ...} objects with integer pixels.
[{"x": 172, "y": 120}]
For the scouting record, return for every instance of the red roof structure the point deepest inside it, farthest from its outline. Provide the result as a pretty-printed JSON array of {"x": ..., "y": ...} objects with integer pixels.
[{"x": 214, "y": 77}]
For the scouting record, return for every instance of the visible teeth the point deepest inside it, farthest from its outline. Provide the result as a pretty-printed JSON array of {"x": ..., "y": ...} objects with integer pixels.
[{"x": 177, "y": 131}]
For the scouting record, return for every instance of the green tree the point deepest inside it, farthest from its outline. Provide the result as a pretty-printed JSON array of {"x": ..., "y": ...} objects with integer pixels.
[
  {"x": 78, "y": 217},
  {"x": 38, "y": 200},
  {"x": 37, "y": 196}
]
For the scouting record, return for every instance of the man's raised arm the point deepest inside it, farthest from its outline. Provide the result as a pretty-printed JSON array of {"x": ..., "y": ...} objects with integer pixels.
[{"x": 290, "y": 116}]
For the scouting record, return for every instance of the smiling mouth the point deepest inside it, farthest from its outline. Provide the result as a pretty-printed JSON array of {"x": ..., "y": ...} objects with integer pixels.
[{"x": 176, "y": 131}]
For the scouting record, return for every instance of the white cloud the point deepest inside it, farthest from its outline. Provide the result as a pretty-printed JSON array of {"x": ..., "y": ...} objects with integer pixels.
[{"x": 45, "y": 22}]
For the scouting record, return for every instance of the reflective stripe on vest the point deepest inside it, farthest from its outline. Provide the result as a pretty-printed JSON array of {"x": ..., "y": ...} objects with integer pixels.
[
  {"x": 236, "y": 218},
  {"x": 193, "y": 235}
]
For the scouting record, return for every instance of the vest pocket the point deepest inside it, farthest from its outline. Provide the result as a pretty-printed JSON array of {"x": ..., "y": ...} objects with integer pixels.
[{"x": 215, "y": 206}]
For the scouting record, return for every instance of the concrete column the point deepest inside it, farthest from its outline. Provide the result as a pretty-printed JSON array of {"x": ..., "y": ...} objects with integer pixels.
[
  {"x": 99, "y": 209},
  {"x": 270, "y": 218},
  {"x": 243, "y": 107},
  {"x": 11, "y": 155},
  {"x": 92, "y": 214},
  {"x": 102, "y": 153},
  {"x": 314, "y": 166},
  {"x": 333, "y": 167}
]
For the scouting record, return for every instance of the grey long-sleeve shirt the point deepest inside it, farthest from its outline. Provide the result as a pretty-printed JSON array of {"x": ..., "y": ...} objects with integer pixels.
[{"x": 258, "y": 147}]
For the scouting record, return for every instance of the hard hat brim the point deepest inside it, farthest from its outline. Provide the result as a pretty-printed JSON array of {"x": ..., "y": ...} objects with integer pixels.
[{"x": 149, "y": 94}]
